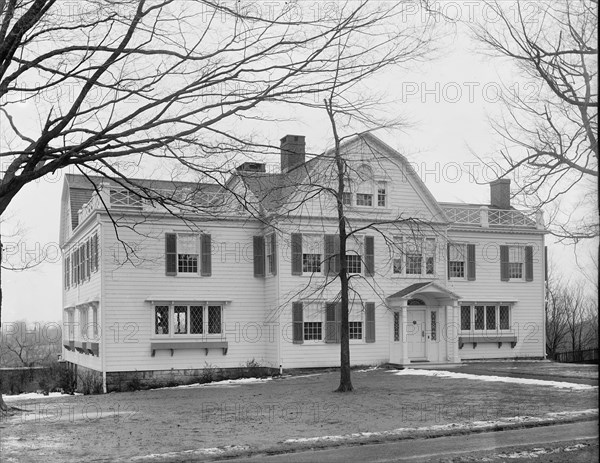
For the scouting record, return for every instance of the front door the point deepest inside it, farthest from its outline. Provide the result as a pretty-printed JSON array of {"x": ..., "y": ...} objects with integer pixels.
[{"x": 415, "y": 334}]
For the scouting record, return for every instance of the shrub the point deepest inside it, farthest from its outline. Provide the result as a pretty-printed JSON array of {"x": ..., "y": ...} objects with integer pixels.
[{"x": 91, "y": 382}]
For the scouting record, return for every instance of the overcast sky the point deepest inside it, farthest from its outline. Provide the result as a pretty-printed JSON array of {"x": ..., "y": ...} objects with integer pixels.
[{"x": 447, "y": 100}]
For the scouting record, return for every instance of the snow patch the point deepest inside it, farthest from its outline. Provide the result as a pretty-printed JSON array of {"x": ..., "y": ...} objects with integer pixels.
[
  {"x": 211, "y": 451},
  {"x": 502, "y": 379},
  {"x": 475, "y": 425},
  {"x": 224, "y": 383},
  {"x": 36, "y": 395}
]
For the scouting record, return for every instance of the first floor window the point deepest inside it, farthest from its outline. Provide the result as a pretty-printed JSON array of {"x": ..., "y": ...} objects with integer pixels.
[
  {"x": 188, "y": 319},
  {"x": 161, "y": 320},
  {"x": 180, "y": 319},
  {"x": 354, "y": 263},
  {"x": 355, "y": 330},
  {"x": 488, "y": 317},
  {"x": 433, "y": 325},
  {"x": 313, "y": 331},
  {"x": 396, "y": 326},
  {"x": 214, "y": 319}
]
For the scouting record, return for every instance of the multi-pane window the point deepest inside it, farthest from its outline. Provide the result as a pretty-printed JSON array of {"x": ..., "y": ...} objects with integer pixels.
[
  {"x": 354, "y": 263},
  {"x": 516, "y": 257},
  {"x": 187, "y": 253},
  {"x": 354, "y": 255},
  {"x": 465, "y": 317},
  {"x": 414, "y": 258},
  {"x": 489, "y": 317},
  {"x": 188, "y": 319},
  {"x": 457, "y": 259},
  {"x": 433, "y": 325},
  {"x": 313, "y": 331},
  {"x": 479, "y": 317},
  {"x": 381, "y": 194},
  {"x": 161, "y": 319},
  {"x": 180, "y": 319},
  {"x": 312, "y": 253},
  {"x": 71, "y": 324},
  {"x": 214, "y": 319},
  {"x": 364, "y": 199},
  {"x": 396, "y": 326},
  {"x": 429, "y": 256},
  {"x": 83, "y": 322},
  {"x": 67, "y": 272},
  {"x": 196, "y": 319},
  {"x": 347, "y": 199},
  {"x": 355, "y": 330},
  {"x": 95, "y": 322}
]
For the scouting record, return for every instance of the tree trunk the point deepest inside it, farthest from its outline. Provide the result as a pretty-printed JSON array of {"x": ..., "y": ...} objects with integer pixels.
[
  {"x": 3, "y": 406},
  {"x": 345, "y": 373}
]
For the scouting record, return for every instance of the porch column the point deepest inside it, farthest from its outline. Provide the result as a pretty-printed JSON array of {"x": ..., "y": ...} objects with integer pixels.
[
  {"x": 452, "y": 333},
  {"x": 403, "y": 324}
]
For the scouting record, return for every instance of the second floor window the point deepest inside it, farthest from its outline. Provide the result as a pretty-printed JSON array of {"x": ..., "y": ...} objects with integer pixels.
[{"x": 188, "y": 254}]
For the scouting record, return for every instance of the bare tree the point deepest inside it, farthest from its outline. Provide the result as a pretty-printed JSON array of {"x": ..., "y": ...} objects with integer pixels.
[
  {"x": 550, "y": 134},
  {"x": 159, "y": 82},
  {"x": 556, "y": 326}
]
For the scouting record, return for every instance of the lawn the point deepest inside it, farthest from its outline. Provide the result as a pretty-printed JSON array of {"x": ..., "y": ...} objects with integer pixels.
[{"x": 264, "y": 414}]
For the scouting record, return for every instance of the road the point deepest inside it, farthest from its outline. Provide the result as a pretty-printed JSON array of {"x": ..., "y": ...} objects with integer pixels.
[{"x": 428, "y": 449}]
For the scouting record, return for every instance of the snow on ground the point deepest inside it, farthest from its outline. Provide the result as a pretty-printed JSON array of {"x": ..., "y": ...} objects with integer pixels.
[
  {"x": 35, "y": 395},
  {"x": 471, "y": 426},
  {"x": 502, "y": 379},
  {"x": 224, "y": 383}
]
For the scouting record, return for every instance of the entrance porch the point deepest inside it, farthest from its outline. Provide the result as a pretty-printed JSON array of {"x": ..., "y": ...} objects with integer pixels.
[{"x": 424, "y": 325}]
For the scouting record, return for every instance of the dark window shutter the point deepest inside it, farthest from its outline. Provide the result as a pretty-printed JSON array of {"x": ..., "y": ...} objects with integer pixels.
[
  {"x": 338, "y": 322},
  {"x": 370, "y": 322},
  {"x": 259, "y": 256},
  {"x": 296, "y": 254},
  {"x": 297, "y": 322},
  {"x": 448, "y": 260},
  {"x": 328, "y": 249},
  {"x": 545, "y": 263},
  {"x": 336, "y": 255},
  {"x": 274, "y": 252},
  {"x": 95, "y": 252},
  {"x": 171, "y": 253},
  {"x": 206, "y": 249},
  {"x": 504, "y": 263},
  {"x": 528, "y": 263},
  {"x": 88, "y": 258},
  {"x": 369, "y": 256},
  {"x": 470, "y": 262},
  {"x": 330, "y": 322}
]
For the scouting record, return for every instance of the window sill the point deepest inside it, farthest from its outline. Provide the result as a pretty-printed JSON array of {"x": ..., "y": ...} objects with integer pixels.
[
  {"x": 188, "y": 344},
  {"x": 475, "y": 338}
]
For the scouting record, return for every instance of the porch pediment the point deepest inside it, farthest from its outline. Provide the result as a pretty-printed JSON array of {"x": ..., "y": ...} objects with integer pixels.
[{"x": 426, "y": 287}]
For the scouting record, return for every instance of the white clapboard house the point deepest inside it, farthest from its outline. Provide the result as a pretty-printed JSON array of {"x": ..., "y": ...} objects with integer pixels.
[{"x": 150, "y": 292}]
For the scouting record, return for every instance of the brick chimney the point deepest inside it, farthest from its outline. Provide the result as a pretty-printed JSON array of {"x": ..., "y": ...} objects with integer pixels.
[
  {"x": 293, "y": 151},
  {"x": 500, "y": 193}
]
